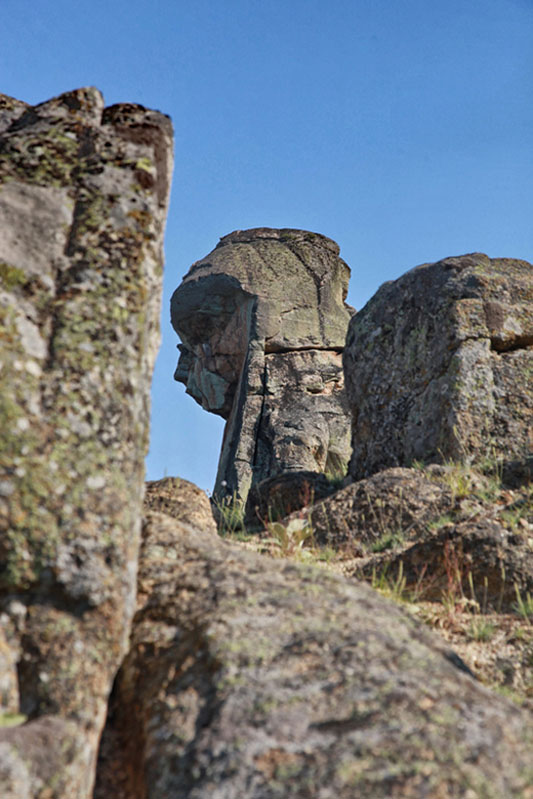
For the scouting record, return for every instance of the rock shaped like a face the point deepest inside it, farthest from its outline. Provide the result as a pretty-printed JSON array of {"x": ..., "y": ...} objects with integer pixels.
[
  {"x": 281, "y": 290},
  {"x": 263, "y": 321},
  {"x": 438, "y": 365}
]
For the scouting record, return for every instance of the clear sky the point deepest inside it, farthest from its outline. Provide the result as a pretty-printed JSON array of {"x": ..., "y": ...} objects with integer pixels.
[{"x": 403, "y": 129}]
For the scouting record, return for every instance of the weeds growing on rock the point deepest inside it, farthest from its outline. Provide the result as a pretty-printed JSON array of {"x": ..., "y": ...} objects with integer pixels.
[
  {"x": 230, "y": 517},
  {"x": 389, "y": 540},
  {"x": 292, "y": 537},
  {"x": 392, "y": 587},
  {"x": 481, "y": 630},
  {"x": 524, "y": 605}
]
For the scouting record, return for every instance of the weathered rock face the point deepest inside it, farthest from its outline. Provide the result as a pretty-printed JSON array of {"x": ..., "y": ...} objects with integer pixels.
[
  {"x": 182, "y": 500},
  {"x": 393, "y": 502},
  {"x": 263, "y": 322},
  {"x": 253, "y": 677},
  {"x": 83, "y": 197},
  {"x": 438, "y": 365}
]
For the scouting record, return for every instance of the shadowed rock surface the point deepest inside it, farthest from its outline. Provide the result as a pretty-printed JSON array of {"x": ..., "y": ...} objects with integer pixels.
[
  {"x": 253, "y": 677},
  {"x": 395, "y": 501},
  {"x": 480, "y": 558},
  {"x": 438, "y": 365},
  {"x": 83, "y": 198},
  {"x": 263, "y": 322}
]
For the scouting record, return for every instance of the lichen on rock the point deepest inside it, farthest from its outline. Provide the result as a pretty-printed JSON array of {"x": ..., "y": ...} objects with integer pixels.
[
  {"x": 438, "y": 366},
  {"x": 80, "y": 275},
  {"x": 251, "y": 676}
]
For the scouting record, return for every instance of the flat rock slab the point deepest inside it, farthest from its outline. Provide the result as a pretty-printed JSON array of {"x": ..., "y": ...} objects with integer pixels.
[{"x": 252, "y": 677}]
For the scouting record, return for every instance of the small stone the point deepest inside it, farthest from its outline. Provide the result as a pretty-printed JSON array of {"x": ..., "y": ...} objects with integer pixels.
[
  {"x": 6, "y": 488},
  {"x": 96, "y": 482}
]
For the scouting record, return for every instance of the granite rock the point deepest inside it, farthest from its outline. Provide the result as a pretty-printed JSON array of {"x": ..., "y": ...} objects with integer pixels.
[
  {"x": 182, "y": 500},
  {"x": 262, "y": 320},
  {"x": 394, "y": 502},
  {"x": 438, "y": 366},
  {"x": 83, "y": 198},
  {"x": 250, "y": 676}
]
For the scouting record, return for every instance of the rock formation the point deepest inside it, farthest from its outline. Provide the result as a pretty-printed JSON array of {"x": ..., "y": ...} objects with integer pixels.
[
  {"x": 263, "y": 322},
  {"x": 83, "y": 198},
  {"x": 254, "y": 677},
  {"x": 218, "y": 672},
  {"x": 438, "y": 366}
]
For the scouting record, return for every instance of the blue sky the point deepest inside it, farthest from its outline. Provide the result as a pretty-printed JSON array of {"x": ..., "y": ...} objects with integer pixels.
[{"x": 403, "y": 130}]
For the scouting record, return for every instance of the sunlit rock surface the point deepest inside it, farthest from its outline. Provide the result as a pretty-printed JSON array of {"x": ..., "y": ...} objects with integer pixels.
[
  {"x": 83, "y": 199},
  {"x": 263, "y": 320},
  {"x": 439, "y": 365}
]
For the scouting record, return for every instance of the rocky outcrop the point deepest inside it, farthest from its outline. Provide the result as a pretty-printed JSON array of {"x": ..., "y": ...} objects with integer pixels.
[
  {"x": 182, "y": 500},
  {"x": 233, "y": 674},
  {"x": 438, "y": 366},
  {"x": 396, "y": 502},
  {"x": 83, "y": 197},
  {"x": 249, "y": 676},
  {"x": 263, "y": 322}
]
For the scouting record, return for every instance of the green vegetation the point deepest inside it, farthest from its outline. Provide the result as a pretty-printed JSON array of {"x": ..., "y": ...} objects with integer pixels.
[
  {"x": 12, "y": 719},
  {"x": 389, "y": 540},
  {"x": 292, "y": 537},
  {"x": 230, "y": 516},
  {"x": 393, "y": 587},
  {"x": 481, "y": 630},
  {"x": 524, "y": 605}
]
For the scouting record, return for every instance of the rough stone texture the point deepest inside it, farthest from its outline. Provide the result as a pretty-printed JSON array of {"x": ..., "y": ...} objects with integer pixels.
[
  {"x": 397, "y": 501},
  {"x": 253, "y": 677},
  {"x": 182, "y": 500},
  {"x": 276, "y": 497},
  {"x": 83, "y": 197},
  {"x": 263, "y": 321},
  {"x": 439, "y": 363},
  {"x": 478, "y": 559}
]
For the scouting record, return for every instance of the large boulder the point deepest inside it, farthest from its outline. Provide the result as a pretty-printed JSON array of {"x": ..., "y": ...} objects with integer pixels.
[
  {"x": 438, "y": 366},
  {"x": 262, "y": 320},
  {"x": 259, "y": 678},
  {"x": 395, "y": 503},
  {"x": 182, "y": 500},
  {"x": 83, "y": 198}
]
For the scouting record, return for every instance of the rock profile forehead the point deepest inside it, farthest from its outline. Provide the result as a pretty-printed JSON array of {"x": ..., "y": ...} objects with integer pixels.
[
  {"x": 278, "y": 234},
  {"x": 297, "y": 276},
  {"x": 296, "y": 279}
]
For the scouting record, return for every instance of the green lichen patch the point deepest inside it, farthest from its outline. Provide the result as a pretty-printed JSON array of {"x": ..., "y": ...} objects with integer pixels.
[{"x": 11, "y": 276}]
